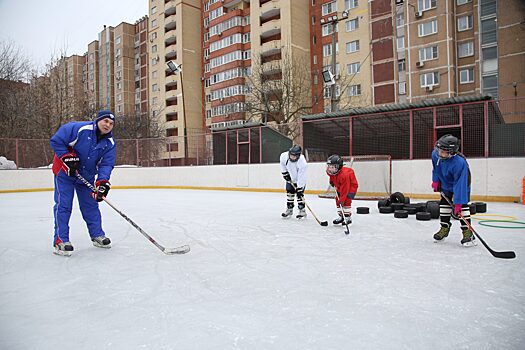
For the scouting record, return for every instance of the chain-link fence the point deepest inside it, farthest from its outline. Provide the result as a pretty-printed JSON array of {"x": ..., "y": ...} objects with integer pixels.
[{"x": 486, "y": 128}]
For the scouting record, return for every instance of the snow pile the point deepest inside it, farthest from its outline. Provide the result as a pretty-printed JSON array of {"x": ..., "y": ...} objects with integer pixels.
[{"x": 6, "y": 164}]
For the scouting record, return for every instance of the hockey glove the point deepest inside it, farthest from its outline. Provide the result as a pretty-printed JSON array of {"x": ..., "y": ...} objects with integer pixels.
[
  {"x": 300, "y": 192},
  {"x": 436, "y": 186},
  {"x": 331, "y": 183},
  {"x": 70, "y": 163},
  {"x": 286, "y": 176},
  {"x": 103, "y": 187},
  {"x": 457, "y": 209}
]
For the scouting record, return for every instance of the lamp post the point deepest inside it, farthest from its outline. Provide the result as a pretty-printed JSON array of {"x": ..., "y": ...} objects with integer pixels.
[
  {"x": 177, "y": 69},
  {"x": 327, "y": 77}
]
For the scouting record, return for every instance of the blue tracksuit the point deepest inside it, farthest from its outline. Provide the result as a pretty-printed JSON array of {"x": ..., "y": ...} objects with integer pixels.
[
  {"x": 96, "y": 159},
  {"x": 453, "y": 175}
]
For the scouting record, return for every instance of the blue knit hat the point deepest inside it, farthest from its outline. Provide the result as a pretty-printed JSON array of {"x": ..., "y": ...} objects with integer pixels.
[{"x": 103, "y": 114}]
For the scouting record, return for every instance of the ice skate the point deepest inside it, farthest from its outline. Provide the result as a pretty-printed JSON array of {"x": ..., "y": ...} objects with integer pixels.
[
  {"x": 342, "y": 221},
  {"x": 441, "y": 234},
  {"x": 287, "y": 213},
  {"x": 101, "y": 242},
  {"x": 301, "y": 214},
  {"x": 468, "y": 238},
  {"x": 63, "y": 248}
]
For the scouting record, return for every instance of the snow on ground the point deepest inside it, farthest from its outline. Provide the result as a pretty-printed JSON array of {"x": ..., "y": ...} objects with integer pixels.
[{"x": 253, "y": 280}]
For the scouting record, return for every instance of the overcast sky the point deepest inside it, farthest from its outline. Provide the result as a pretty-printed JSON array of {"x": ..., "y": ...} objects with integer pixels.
[{"x": 43, "y": 28}]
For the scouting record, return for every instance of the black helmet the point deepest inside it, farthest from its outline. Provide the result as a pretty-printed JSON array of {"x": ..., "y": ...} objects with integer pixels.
[
  {"x": 295, "y": 151},
  {"x": 449, "y": 144},
  {"x": 336, "y": 161}
]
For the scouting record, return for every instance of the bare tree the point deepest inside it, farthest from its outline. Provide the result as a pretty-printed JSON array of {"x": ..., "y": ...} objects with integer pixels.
[
  {"x": 14, "y": 65},
  {"x": 280, "y": 91}
]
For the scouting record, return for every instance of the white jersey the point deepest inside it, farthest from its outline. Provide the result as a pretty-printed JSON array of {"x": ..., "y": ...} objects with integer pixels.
[{"x": 297, "y": 169}]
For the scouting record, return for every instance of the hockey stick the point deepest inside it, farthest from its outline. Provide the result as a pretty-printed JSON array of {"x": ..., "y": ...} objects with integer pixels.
[
  {"x": 169, "y": 251},
  {"x": 322, "y": 223},
  {"x": 501, "y": 255},
  {"x": 347, "y": 232}
]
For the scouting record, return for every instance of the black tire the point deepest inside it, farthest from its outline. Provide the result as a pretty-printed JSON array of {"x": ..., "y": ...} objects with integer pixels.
[
  {"x": 401, "y": 214},
  {"x": 411, "y": 210},
  {"x": 407, "y": 200},
  {"x": 473, "y": 208},
  {"x": 397, "y": 206},
  {"x": 433, "y": 209},
  {"x": 363, "y": 210},
  {"x": 423, "y": 216},
  {"x": 383, "y": 203},
  {"x": 386, "y": 210},
  {"x": 481, "y": 207},
  {"x": 397, "y": 197}
]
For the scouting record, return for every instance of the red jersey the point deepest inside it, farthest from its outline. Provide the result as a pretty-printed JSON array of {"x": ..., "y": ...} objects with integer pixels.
[{"x": 344, "y": 182}]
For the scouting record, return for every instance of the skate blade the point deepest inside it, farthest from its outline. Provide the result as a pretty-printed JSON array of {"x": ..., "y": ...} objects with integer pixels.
[
  {"x": 300, "y": 217},
  {"x": 469, "y": 244},
  {"x": 98, "y": 245},
  {"x": 61, "y": 252}
]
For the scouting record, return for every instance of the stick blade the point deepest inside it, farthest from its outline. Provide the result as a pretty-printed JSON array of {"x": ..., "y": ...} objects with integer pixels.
[
  {"x": 183, "y": 249},
  {"x": 504, "y": 255}
]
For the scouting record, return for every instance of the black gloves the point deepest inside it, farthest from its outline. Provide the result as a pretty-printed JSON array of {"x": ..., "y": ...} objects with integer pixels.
[
  {"x": 103, "y": 187},
  {"x": 70, "y": 163},
  {"x": 300, "y": 192},
  {"x": 286, "y": 176}
]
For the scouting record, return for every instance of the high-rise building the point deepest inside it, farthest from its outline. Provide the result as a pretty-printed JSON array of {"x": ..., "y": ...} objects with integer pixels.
[
  {"x": 141, "y": 70},
  {"x": 124, "y": 73},
  {"x": 106, "y": 64},
  {"x": 91, "y": 78},
  {"x": 175, "y": 98}
]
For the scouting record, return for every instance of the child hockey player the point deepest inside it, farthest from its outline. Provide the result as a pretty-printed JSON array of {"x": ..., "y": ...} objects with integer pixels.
[
  {"x": 345, "y": 183},
  {"x": 294, "y": 171},
  {"x": 451, "y": 176}
]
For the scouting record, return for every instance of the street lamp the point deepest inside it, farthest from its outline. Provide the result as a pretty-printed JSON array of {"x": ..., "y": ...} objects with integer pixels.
[
  {"x": 329, "y": 77},
  {"x": 177, "y": 69}
]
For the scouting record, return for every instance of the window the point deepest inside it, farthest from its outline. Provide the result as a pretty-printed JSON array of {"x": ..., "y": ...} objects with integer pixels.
[
  {"x": 119, "y": 86},
  {"x": 155, "y": 87},
  {"x": 401, "y": 43},
  {"x": 466, "y": 75},
  {"x": 428, "y": 53},
  {"x": 154, "y": 48},
  {"x": 354, "y": 90},
  {"x": 352, "y": 46},
  {"x": 462, "y": 2},
  {"x": 400, "y": 19},
  {"x": 154, "y": 23},
  {"x": 424, "y": 5},
  {"x": 154, "y": 10},
  {"x": 351, "y": 4},
  {"x": 401, "y": 65},
  {"x": 329, "y": 8},
  {"x": 429, "y": 79},
  {"x": 153, "y": 35},
  {"x": 427, "y": 28},
  {"x": 119, "y": 97},
  {"x": 155, "y": 100},
  {"x": 402, "y": 88},
  {"x": 490, "y": 59},
  {"x": 154, "y": 74},
  {"x": 352, "y": 24},
  {"x": 118, "y": 40},
  {"x": 466, "y": 49},
  {"x": 490, "y": 85},
  {"x": 327, "y": 29},
  {"x": 488, "y": 31},
  {"x": 353, "y": 68},
  {"x": 488, "y": 7},
  {"x": 464, "y": 23}
]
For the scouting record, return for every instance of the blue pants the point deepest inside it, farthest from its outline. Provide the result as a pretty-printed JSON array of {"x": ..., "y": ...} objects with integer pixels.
[{"x": 65, "y": 187}]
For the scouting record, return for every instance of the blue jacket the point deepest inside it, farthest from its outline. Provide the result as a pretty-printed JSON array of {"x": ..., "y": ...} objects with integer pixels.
[
  {"x": 81, "y": 138},
  {"x": 453, "y": 175}
]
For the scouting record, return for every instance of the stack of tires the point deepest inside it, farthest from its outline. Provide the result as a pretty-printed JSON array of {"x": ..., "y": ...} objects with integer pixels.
[{"x": 400, "y": 205}]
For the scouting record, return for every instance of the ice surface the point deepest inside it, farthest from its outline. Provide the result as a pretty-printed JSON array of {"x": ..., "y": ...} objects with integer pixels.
[{"x": 253, "y": 280}]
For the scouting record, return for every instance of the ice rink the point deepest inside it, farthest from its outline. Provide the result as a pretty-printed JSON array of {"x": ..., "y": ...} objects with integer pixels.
[{"x": 253, "y": 280}]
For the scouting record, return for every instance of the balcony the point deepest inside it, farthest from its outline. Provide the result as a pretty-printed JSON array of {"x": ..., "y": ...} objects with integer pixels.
[
  {"x": 170, "y": 9},
  {"x": 172, "y": 95},
  {"x": 270, "y": 9},
  {"x": 232, "y": 3},
  {"x": 172, "y": 80},
  {"x": 272, "y": 67},
  {"x": 271, "y": 48},
  {"x": 171, "y": 38},
  {"x": 271, "y": 28},
  {"x": 170, "y": 23},
  {"x": 171, "y": 55}
]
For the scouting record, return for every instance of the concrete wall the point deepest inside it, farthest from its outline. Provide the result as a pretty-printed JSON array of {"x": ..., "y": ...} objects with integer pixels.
[{"x": 493, "y": 179}]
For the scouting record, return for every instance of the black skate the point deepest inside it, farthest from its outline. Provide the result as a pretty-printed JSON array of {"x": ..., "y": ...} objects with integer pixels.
[
  {"x": 341, "y": 221},
  {"x": 301, "y": 214},
  {"x": 101, "y": 242},
  {"x": 64, "y": 249}
]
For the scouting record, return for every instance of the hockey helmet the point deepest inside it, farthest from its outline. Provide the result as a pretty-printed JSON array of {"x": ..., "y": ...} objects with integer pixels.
[
  {"x": 334, "y": 164},
  {"x": 448, "y": 143},
  {"x": 294, "y": 153}
]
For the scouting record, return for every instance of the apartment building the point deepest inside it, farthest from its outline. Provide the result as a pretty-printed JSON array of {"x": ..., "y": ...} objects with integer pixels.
[
  {"x": 106, "y": 68},
  {"x": 124, "y": 69},
  {"x": 175, "y": 98},
  {"x": 141, "y": 80},
  {"x": 67, "y": 79},
  {"x": 91, "y": 76}
]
